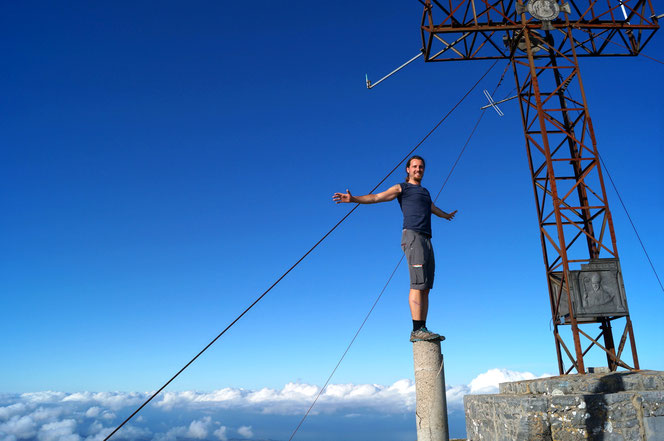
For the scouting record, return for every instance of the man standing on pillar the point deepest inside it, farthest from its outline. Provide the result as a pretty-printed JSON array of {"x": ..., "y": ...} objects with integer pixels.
[{"x": 417, "y": 206}]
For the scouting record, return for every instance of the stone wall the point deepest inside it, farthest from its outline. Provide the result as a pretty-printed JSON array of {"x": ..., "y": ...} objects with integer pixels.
[{"x": 625, "y": 406}]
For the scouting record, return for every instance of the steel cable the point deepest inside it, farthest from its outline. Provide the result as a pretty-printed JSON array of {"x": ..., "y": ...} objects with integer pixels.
[
  {"x": 472, "y": 132},
  {"x": 301, "y": 258},
  {"x": 622, "y": 203},
  {"x": 616, "y": 189},
  {"x": 320, "y": 392},
  {"x": 632, "y": 223},
  {"x": 620, "y": 45},
  {"x": 346, "y": 351}
]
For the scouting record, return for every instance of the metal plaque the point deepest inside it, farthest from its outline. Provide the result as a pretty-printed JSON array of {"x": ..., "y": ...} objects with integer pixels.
[
  {"x": 597, "y": 290},
  {"x": 543, "y": 9}
]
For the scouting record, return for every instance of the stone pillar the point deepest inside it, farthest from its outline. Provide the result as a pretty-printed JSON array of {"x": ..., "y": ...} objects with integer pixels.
[{"x": 431, "y": 410}]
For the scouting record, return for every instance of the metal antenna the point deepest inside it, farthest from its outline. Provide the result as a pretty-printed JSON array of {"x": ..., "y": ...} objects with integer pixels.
[
  {"x": 494, "y": 104},
  {"x": 371, "y": 85},
  {"x": 564, "y": 162}
]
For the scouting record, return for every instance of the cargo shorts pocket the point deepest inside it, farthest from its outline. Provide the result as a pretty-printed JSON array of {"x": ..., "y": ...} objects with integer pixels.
[
  {"x": 417, "y": 274},
  {"x": 413, "y": 251}
]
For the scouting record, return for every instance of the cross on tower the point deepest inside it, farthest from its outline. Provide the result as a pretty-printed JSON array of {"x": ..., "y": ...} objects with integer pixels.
[{"x": 544, "y": 39}]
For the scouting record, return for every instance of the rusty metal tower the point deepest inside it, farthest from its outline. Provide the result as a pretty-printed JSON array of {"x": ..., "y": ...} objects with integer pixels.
[{"x": 544, "y": 40}]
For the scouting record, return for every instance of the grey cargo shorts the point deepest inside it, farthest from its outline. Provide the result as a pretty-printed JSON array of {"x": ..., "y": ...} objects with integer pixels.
[{"x": 421, "y": 263}]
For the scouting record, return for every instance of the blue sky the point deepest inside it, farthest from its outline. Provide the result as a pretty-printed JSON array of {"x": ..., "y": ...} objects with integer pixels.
[{"x": 163, "y": 164}]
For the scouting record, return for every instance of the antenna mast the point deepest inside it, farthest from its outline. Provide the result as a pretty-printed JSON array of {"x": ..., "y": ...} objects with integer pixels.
[{"x": 544, "y": 40}]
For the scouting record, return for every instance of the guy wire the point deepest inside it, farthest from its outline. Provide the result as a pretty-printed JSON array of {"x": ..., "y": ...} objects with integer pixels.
[
  {"x": 631, "y": 222},
  {"x": 301, "y": 258},
  {"x": 347, "y": 349},
  {"x": 396, "y": 267},
  {"x": 622, "y": 203},
  {"x": 621, "y": 45}
]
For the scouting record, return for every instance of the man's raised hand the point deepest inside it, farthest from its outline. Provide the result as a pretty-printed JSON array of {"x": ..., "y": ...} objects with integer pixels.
[{"x": 342, "y": 197}]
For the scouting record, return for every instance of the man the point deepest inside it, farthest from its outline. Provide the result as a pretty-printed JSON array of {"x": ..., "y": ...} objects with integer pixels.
[
  {"x": 417, "y": 207},
  {"x": 596, "y": 296}
]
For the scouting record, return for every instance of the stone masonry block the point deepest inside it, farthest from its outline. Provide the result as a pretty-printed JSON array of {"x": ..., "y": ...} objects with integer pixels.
[{"x": 626, "y": 406}]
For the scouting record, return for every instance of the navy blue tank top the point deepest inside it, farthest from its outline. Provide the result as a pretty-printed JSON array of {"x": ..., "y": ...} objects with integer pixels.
[{"x": 415, "y": 202}]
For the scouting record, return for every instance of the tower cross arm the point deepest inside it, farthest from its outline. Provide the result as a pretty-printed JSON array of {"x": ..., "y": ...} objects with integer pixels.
[{"x": 482, "y": 29}]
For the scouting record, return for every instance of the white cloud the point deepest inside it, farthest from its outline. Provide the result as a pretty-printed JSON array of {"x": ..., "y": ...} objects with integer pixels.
[
  {"x": 97, "y": 431},
  {"x": 112, "y": 400},
  {"x": 43, "y": 397},
  {"x": 172, "y": 434},
  {"x": 197, "y": 429},
  {"x": 11, "y": 410},
  {"x": 487, "y": 383},
  {"x": 107, "y": 415},
  {"x": 455, "y": 396},
  {"x": 58, "y": 431},
  {"x": 91, "y": 416},
  {"x": 245, "y": 431},
  {"x": 295, "y": 398},
  {"x": 220, "y": 433},
  {"x": 226, "y": 394},
  {"x": 19, "y": 427},
  {"x": 93, "y": 412},
  {"x": 46, "y": 414},
  {"x": 128, "y": 432}
]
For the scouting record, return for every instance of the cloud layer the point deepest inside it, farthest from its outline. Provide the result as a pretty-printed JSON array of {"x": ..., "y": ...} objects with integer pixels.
[
  {"x": 295, "y": 398},
  {"x": 91, "y": 416}
]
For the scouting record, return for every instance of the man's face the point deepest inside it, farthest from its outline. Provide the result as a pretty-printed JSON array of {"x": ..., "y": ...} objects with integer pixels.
[{"x": 415, "y": 170}]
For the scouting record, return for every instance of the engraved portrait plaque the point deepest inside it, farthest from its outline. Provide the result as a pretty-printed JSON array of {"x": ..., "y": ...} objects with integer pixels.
[
  {"x": 597, "y": 290},
  {"x": 600, "y": 291}
]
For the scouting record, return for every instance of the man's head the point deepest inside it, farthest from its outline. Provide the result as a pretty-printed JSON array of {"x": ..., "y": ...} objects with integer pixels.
[
  {"x": 415, "y": 169},
  {"x": 595, "y": 280}
]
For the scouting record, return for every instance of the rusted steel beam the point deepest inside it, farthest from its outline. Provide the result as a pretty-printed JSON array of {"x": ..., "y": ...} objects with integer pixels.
[
  {"x": 592, "y": 344},
  {"x": 580, "y": 26},
  {"x": 608, "y": 342},
  {"x": 564, "y": 166},
  {"x": 482, "y": 25},
  {"x": 609, "y": 353},
  {"x": 623, "y": 340},
  {"x": 562, "y": 121},
  {"x": 560, "y": 246},
  {"x": 632, "y": 343}
]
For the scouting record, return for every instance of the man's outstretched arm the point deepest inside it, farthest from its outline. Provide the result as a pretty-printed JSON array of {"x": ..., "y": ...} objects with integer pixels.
[
  {"x": 440, "y": 213},
  {"x": 385, "y": 196}
]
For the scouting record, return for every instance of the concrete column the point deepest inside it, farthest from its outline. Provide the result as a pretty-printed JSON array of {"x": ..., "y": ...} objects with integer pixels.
[{"x": 431, "y": 410}]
